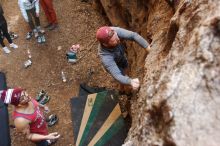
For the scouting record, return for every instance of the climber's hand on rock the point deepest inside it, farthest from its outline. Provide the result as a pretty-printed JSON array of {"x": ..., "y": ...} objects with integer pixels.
[
  {"x": 135, "y": 83},
  {"x": 148, "y": 48}
]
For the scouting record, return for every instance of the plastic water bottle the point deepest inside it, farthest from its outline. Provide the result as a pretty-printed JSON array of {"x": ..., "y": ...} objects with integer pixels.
[
  {"x": 27, "y": 63},
  {"x": 63, "y": 76},
  {"x": 29, "y": 54}
]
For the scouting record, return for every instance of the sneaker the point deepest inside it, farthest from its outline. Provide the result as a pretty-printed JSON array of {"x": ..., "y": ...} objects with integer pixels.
[
  {"x": 43, "y": 39},
  {"x": 39, "y": 39},
  {"x": 13, "y": 35},
  {"x": 40, "y": 30},
  {"x": 52, "y": 120},
  {"x": 40, "y": 95},
  {"x": 53, "y": 26},
  {"x": 6, "y": 50},
  {"x": 36, "y": 34},
  {"x": 44, "y": 100},
  {"x": 12, "y": 45},
  {"x": 29, "y": 35}
]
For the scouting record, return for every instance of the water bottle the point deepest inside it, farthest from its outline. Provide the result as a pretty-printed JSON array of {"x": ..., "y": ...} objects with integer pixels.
[
  {"x": 27, "y": 63},
  {"x": 63, "y": 76},
  {"x": 29, "y": 54}
]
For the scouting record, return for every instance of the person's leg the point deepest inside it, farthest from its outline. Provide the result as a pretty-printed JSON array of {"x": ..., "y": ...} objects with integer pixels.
[
  {"x": 4, "y": 28},
  {"x": 37, "y": 22},
  {"x": 30, "y": 20},
  {"x": 44, "y": 6},
  {"x": 36, "y": 19},
  {"x": 2, "y": 38},
  {"x": 5, "y": 49},
  {"x": 30, "y": 14},
  {"x": 51, "y": 11}
]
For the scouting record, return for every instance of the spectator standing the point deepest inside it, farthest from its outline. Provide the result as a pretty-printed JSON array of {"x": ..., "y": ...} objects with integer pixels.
[
  {"x": 30, "y": 11},
  {"x": 4, "y": 33},
  {"x": 50, "y": 13}
]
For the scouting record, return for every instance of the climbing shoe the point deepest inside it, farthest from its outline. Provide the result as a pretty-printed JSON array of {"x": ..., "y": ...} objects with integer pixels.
[
  {"x": 40, "y": 95},
  {"x": 13, "y": 35},
  {"x": 52, "y": 120},
  {"x": 44, "y": 100},
  {"x": 29, "y": 35},
  {"x": 43, "y": 40},
  {"x": 39, "y": 40}
]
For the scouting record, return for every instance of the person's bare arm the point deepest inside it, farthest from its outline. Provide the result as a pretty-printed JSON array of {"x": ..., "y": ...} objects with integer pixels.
[{"x": 22, "y": 125}]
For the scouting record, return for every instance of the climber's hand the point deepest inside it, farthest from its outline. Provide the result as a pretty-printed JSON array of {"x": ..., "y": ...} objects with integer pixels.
[{"x": 135, "y": 83}]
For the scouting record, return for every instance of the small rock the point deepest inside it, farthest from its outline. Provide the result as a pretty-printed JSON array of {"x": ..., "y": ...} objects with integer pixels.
[
  {"x": 128, "y": 143},
  {"x": 59, "y": 48}
]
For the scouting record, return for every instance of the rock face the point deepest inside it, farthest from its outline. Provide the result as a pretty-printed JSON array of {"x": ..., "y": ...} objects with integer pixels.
[{"x": 178, "y": 103}]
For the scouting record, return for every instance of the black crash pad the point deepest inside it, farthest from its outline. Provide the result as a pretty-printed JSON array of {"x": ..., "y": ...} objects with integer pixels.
[{"x": 5, "y": 139}]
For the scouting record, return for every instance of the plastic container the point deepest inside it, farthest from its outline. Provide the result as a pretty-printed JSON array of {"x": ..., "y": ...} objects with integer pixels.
[
  {"x": 71, "y": 57},
  {"x": 63, "y": 76},
  {"x": 27, "y": 63},
  {"x": 29, "y": 54}
]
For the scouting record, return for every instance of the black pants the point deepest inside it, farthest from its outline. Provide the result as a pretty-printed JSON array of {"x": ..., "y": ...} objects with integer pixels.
[
  {"x": 42, "y": 143},
  {"x": 32, "y": 14},
  {"x": 4, "y": 33}
]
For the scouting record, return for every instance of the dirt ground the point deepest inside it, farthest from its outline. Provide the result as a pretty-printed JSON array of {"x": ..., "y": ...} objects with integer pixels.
[{"x": 78, "y": 22}]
